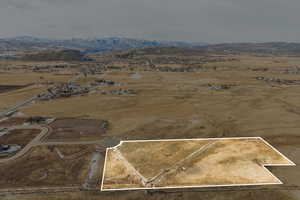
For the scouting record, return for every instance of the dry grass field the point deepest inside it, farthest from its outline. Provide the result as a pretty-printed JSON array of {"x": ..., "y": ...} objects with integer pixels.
[
  {"x": 43, "y": 167},
  {"x": 19, "y": 136},
  {"x": 14, "y": 121},
  {"x": 222, "y": 99},
  {"x": 76, "y": 130},
  {"x": 191, "y": 163},
  {"x": 25, "y": 85}
]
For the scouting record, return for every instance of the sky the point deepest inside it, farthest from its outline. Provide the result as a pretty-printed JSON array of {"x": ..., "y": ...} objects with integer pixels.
[{"x": 212, "y": 21}]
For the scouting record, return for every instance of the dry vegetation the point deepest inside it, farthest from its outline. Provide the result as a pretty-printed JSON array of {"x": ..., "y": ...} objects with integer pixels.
[
  {"x": 223, "y": 98},
  {"x": 43, "y": 167},
  {"x": 24, "y": 85},
  {"x": 191, "y": 163},
  {"x": 19, "y": 136},
  {"x": 76, "y": 130},
  {"x": 14, "y": 121},
  {"x": 187, "y": 194},
  {"x": 151, "y": 157}
]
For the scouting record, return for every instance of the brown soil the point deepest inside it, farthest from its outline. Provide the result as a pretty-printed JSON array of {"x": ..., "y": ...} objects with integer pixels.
[
  {"x": 76, "y": 129},
  {"x": 167, "y": 104},
  {"x": 194, "y": 163},
  {"x": 186, "y": 194},
  {"x": 14, "y": 121},
  {"x": 150, "y": 157},
  {"x": 19, "y": 136},
  {"x": 42, "y": 167}
]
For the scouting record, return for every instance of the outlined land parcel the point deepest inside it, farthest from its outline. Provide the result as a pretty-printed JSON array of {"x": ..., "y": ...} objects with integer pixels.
[{"x": 212, "y": 162}]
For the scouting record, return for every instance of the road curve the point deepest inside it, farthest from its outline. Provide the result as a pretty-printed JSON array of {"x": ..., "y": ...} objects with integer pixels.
[
  {"x": 37, "y": 141},
  {"x": 34, "y": 142}
]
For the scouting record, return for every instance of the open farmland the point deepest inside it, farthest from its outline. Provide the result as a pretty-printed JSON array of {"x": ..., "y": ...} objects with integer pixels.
[
  {"x": 17, "y": 86},
  {"x": 45, "y": 167},
  {"x": 76, "y": 130},
  {"x": 173, "y": 94}
]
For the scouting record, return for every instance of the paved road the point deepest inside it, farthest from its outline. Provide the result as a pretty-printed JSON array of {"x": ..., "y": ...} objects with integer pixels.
[
  {"x": 37, "y": 141},
  {"x": 18, "y": 105},
  {"x": 34, "y": 142},
  {"x": 9, "y": 191},
  {"x": 23, "y": 103},
  {"x": 70, "y": 143}
]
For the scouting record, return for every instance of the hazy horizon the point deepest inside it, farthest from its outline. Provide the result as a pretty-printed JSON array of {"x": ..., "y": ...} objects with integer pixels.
[
  {"x": 209, "y": 21},
  {"x": 146, "y": 39}
]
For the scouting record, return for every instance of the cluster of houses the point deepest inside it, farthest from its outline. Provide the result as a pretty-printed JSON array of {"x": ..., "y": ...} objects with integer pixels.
[
  {"x": 63, "y": 90},
  {"x": 293, "y": 70},
  {"x": 220, "y": 87},
  {"x": 50, "y": 68},
  {"x": 39, "y": 120},
  {"x": 105, "y": 82},
  {"x": 6, "y": 150},
  {"x": 120, "y": 92},
  {"x": 278, "y": 81},
  {"x": 4, "y": 147},
  {"x": 180, "y": 69}
]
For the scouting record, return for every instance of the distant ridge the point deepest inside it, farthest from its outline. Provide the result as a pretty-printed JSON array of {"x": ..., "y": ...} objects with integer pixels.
[
  {"x": 29, "y": 43},
  {"x": 274, "y": 48},
  {"x": 101, "y": 45}
]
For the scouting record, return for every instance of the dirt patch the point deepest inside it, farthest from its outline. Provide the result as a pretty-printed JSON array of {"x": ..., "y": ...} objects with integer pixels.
[
  {"x": 192, "y": 163},
  {"x": 166, "y": 102},
  {"x": 43, "y": 167},
  {"x": 77, "y": 129},
  {"x": 167, "y": 129},
  {"x": 163, "y": 194},
  {"x": 14, "y": 121},
  {"x": 293, "y": 140},
  {"x": 19, "y": 136},
  {"x": 123, "y": 174},
  {"x": 165, "y": 154}
]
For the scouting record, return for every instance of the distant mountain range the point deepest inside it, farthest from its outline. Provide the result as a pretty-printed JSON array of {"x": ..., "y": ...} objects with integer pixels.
[
  {"x": 29, "y": 43},
  {"x": 274, "y": 48}
]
